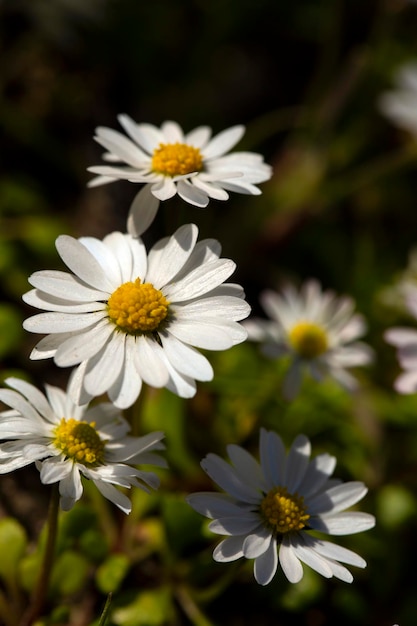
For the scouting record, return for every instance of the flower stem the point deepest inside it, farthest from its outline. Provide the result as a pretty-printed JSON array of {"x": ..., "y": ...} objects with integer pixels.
[{"x": 39, "y": 595}]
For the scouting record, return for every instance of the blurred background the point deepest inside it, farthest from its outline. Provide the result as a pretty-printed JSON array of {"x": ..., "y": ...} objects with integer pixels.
[{"x": 305, "y": 78}]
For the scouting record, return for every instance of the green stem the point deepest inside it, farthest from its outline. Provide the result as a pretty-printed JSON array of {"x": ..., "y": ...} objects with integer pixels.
[
  {"x": 106, "y": 610},
  {"x": 39, "y": 595},
  {"x": 190, "y": 608}
]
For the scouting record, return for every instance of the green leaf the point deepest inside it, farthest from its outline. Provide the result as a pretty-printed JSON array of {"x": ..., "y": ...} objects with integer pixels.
[
  {"x": 13, "y": 542},
  {"x": 69, "y": 574},
  {"x": 150, "y": 608},
  {"x": 111, "y": 573}
]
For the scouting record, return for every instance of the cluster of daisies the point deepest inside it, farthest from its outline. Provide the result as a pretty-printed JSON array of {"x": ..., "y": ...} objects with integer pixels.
[{"x": 123, "y": 316}]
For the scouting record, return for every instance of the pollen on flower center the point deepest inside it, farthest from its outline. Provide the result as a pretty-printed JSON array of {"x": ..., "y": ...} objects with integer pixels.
[
  {"x": 283, "y": 512},
  {"x": 176, "y": 159},
  {"x": 308, "y": 339},
  {"x": 137, "y": 307},
  {"x": 79, "y": 441}
]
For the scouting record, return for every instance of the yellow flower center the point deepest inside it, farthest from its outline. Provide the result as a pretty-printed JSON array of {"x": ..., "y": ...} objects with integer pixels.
[
  {"x": 137, "y": 307},
  {"x": 283, "y": 512},
  {"x": 79, "y": 441},
  {"x": 176, "y": 159},
  {"x": 309, "y": 340}
]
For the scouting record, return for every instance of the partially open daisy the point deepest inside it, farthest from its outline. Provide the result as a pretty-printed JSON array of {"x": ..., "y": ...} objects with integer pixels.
[
  {"x": 127, "y": 316},
  {"x": 194, "y": 166},
  {"x": 269, "y": 508},
  {"x": 400, "y": 104},
  {"x": 405, "y": 340},
  {"x": 67, "y": 441},
  {"x": 316, "y": 329}
]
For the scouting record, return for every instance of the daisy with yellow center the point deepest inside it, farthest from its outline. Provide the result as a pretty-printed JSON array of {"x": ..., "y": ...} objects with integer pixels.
[
  {"x": 126, "y": 317},
  {"x": 67, "y": 442},
  {"x": 316, "y": 330},
  {"x": 270, "y": 507},
  {"x": 195, "y": 166}
]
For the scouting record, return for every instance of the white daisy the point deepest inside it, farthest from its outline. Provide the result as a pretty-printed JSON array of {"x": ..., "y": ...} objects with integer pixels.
[
  {"x": 269, "y": 507},
  {"x": 127, "y": 316},
  {"x": 400, "y": 104},
  {"x": 194, "y": 166},
  {"x": 316, "y": 329},
  {"x": 67, "y": 441},
  {"x": 405, "y": 339}
]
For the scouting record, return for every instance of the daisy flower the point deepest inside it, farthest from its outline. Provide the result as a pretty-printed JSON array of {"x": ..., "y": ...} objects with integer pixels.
[
  {"x": 126, "y": 316},
  {"x": 194, "y": 165},
  {"x": 67, "y": 441},
  {"x": 400, "y": 104},
  {"x": 317, "y": 331},
  {"x": 271, "y": 506},
  {"x": 405, "y": 340}
]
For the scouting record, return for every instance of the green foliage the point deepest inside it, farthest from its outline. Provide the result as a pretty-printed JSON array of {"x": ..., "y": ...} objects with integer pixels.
[
  {"x": 13, "y": 543},
  {"x": 111, "y": 572},
  {"x": 305, "y": 78},
  {"x": 149, "y": 608}
]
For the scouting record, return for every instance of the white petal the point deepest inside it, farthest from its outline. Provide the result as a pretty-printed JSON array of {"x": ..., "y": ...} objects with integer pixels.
[
  {"x": 114, "y": 495},
  {"x": 65, "y": 286},
  {"x": 257, "y": 543},
  {"x": 83, "y": 345},
  {"x": 119, "y": 145},
  {"x": 54, "y": 470},
  {"x": 266, "y": 564},
  {"x": 228, "y": 550},
  {"x": 191, "y": 194},
  {"x": 223, "y": 142},
  {"x": 343, "y": 523},
  {"x": 105, "y": 257},
  {"x": 126, "y": 389},
  {"x": 200, "y": 281},
  {"x": 318, "y": 471},
  {"x": 33, "y": 395},
  {"x": 185, "y": 359},
  {"x": 149, "y": 363},
  {"x": 19, "y": 403},
  {"x": 180, "y": 384},
  {"x": 273, "y": 457},
  {"x": 228, "y": 307},
  {"x": 289, "y": 562},
  {"x": 198, "y": 137},
  {"x": 103, "y": 371},
  {"x": 337, "y": 498},
  {"x": 245, "y": 523},
  {"x": 334, "y": 552},
  {"x": 70, "y": 488},
  {"x": 172, "y": 132},
  {"x": 246, "y": 466},
  {"x": 142, "y": 211},
  {"x": 313, "y": 560},
  {"x": 203, "y": 335},
  {"x": 212, "y": 191},
  {"x": 297, "y": 462},
  {"x": 228, "y": 479},
  {"x": 61, "y": 322},
  {"x": 166, "y": 259},
  {"x": 82, "y": 263},
  {"x": 401, "y": 336},
  {"x": 214, "y": 505}
]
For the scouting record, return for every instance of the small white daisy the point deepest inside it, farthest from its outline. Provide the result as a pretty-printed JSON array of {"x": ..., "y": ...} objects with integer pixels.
[
  {"x": 127, "y": 316},
  {"x": 270, "y": 507},
  {"x": 400, "y": 104},
  {"x": 194, "y": 166},
  {"x": 316, "y": 329},
  {"x": 67, "y": 441},
  {"x": 405, "y": 340}
]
